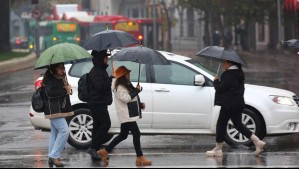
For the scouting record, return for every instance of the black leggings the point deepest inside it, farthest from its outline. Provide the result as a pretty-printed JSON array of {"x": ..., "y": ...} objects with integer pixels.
[
  {"x": 235, "y": 114},
  {"x": 124, "y": 132}
]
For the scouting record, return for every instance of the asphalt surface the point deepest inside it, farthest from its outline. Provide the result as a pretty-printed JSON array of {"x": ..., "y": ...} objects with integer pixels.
[{"x": 22, "y": 146}]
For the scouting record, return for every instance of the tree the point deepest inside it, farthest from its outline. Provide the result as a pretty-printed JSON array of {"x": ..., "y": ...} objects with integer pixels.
[
  {"x": 233, "y": 12},
  {"x": 4, "y": 26}
]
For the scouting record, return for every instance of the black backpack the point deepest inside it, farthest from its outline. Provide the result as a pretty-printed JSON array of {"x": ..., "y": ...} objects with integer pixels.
[
  {"x": 83, "y": 88},
  {"x": 37, "y": 100}
]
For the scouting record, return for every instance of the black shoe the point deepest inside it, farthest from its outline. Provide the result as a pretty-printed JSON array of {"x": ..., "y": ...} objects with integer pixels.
[
  {"x": 94, "y": 155},
  {"x": 55, "y": 162}
]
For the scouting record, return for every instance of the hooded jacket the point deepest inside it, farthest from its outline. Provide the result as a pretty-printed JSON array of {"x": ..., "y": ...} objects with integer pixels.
[
  {"x": 57, "y": 101},
  {"x": 230, "y": 90},
  {"x": 99, "y": 83}
]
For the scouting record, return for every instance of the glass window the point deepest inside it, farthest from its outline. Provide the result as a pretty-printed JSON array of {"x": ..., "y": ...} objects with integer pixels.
[
  {"x": 134, "y": 67},
  {"x": 174, "y": 74},
  {"x": 45, "y": 30},
  {"x": 80, "y": 69}
]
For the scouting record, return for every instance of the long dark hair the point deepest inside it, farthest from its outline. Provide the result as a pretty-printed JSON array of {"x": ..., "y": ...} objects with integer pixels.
[
  {"x": 123, "y": 82},
  {"x": 50, "y": 71}
]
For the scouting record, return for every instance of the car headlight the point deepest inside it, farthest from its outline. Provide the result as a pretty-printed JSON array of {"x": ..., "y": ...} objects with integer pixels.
[{"x": 282, "y": 100}]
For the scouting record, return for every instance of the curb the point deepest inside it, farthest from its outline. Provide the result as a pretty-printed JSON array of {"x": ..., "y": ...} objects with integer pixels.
[{"x": 17, "y": 64}]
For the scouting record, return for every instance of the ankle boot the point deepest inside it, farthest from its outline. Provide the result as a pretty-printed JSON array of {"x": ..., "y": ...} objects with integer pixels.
[
  {"x": 104, "y": 156},
  {"x": 142, "y": 161},
  {"x": 55, "y": 162},
  {"x": 216, "y": 152},
  {"x": 259, "y": 145}
]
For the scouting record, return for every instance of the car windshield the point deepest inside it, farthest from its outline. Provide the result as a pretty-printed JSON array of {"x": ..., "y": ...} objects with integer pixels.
[{"x": 203, "y": 67}]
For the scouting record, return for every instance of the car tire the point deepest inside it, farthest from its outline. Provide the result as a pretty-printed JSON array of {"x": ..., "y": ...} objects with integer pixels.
[
  {"x": 253, "y": 122},
  {"x": 81, "y": 125}
]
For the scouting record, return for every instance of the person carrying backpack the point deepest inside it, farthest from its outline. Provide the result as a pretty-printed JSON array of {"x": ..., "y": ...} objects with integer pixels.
[
  {"x": 57, "y": 107},
  {"x": 128, "y": 109},
  {"x": 99, "y": 97}
]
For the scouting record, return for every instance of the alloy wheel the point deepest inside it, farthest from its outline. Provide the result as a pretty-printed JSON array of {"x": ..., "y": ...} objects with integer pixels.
[
  {"x": 81, "y": 128},
  {"x": 235, "y": 135}
]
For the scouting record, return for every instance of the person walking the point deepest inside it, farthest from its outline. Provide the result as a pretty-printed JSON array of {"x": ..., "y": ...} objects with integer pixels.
[
  {"x": 100, "y": 96},
  {"x": 128, "y": 108},
  {"x": 230, "y": 96},
  {"x": 57, "y": 107}
]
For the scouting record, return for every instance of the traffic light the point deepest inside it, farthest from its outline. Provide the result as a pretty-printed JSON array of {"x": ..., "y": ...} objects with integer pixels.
[{"x": 34, "y": 2}]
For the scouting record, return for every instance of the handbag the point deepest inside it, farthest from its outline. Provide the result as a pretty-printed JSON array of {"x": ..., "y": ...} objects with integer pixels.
[{"x": 37, "y": 100}]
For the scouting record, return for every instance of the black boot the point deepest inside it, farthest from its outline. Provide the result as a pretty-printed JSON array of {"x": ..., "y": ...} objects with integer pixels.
[
  {"x": 55, "y": 162},
  {"x": 94, "y": 155}
]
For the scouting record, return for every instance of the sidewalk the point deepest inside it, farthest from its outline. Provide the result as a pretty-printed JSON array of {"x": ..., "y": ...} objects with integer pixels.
[{"x": 17, "y": 64}]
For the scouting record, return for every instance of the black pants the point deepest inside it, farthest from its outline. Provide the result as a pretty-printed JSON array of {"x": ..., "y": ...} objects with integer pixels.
[
  {"x": 235, "y": 114},
  {"x": 124, "y": 132},
  {"x": 101, "y": 125}
]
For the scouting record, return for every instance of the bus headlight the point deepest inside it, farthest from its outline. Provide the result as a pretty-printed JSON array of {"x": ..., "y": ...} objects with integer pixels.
[{"x": 282, "y": 100}]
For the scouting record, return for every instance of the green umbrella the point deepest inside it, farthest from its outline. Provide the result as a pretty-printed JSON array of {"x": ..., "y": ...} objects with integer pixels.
[{"x": 62, "y": 53}]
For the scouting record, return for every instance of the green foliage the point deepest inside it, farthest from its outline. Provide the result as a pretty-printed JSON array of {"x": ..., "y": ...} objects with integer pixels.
[
  {"x": 234, "y": 10},
  {"x": 11, "y": 55}
]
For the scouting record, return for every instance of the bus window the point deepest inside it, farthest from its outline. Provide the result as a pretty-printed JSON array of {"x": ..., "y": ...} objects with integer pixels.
[{"x": 45, "y": 30}]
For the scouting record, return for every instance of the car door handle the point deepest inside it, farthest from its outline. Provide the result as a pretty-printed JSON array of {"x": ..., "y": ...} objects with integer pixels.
[{"x": 162, "y": 90}]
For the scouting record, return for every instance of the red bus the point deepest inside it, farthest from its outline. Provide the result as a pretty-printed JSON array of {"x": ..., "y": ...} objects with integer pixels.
[{"x": 90, "y": 25}]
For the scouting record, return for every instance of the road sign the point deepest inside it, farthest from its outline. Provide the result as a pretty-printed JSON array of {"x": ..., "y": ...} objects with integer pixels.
[{"x": 35, "y": 13}]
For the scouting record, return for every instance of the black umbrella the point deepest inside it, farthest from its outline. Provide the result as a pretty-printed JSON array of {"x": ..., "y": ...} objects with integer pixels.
[
  {"x": 220, "y": 54},
  {"x": 110, "y": 39},
  {"x": 293, "y": 43},
  {"x": 141, "y": 55}
]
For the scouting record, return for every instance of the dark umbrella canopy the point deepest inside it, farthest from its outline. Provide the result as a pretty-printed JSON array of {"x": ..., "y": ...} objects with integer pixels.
[
  {"x": 141, "y": 55},
  {"x": 220, "y": 54},
  {"x": 293, "y": 43},
  {"x": 110, "y": 39}
]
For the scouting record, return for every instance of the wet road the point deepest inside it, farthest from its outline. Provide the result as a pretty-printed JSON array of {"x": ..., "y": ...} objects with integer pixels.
[{"x": 22, "y": 146}]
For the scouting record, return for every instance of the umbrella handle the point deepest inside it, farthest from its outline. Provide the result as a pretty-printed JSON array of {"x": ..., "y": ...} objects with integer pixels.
[
  {"x": 218, "y": 68},
  {"x": 139, "y": 73},
  {"x": 112, "y": 65}
]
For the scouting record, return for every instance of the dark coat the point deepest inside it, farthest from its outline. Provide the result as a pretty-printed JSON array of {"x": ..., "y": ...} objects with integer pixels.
[
  {"x": 99, "y": 84},
  {"x": 230, "y": 90},
  {"x": 57, "y": 101}
]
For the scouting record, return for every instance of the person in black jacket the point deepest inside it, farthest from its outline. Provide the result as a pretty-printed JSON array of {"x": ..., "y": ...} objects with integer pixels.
[
  {"x": 57, "y": 107},
  {"x": 230, "y": 96},
  {"x": 100, "y": 96}
]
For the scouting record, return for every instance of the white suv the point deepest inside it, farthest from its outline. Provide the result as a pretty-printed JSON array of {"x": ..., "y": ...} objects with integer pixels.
[{"x": 180, "y": 100}]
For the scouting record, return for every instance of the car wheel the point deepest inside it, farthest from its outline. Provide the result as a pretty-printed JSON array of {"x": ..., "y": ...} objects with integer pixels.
[
  {"x": 80, "y": 126},
  {"x": 252, "y": 121}
]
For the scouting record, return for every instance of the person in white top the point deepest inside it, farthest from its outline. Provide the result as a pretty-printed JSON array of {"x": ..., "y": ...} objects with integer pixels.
[{"x": 128, "y": 108}]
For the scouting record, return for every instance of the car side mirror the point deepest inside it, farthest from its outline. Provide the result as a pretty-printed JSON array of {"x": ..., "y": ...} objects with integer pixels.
[{"x": 199, "y": 80}]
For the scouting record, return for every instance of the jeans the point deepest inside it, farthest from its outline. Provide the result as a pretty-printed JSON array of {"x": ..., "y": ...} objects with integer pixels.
[
  {"x": 59, "y": 137},
  {"x": 124, "y": 132}
]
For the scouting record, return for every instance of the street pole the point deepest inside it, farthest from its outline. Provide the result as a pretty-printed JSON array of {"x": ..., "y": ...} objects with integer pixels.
[
  {"x": 154, "y": 25},
  {"x": 279, "y": 22}
]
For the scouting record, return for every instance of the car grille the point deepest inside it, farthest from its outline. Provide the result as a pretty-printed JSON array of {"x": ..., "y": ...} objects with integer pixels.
[{"x": 296, "y": 98}]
